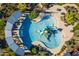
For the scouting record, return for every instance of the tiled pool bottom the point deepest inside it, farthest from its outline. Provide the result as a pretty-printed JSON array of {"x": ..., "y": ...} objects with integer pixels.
[{"x": 31, "y": 31}]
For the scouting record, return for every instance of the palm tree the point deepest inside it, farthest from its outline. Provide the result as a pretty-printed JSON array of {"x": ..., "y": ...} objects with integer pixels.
[
  {"x": 33, "y": 14},
  {"x": 22, "y": 6},
  {"x": 34, "y": 50}
]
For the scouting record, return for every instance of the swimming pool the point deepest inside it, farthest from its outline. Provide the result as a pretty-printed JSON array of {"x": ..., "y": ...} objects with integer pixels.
[
  {"x": 31, "y": 31},
  {"x": 24, "y": 32}
]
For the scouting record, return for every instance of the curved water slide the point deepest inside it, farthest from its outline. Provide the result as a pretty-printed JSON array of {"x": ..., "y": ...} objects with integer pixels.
[{"x": 8, "y": 33}]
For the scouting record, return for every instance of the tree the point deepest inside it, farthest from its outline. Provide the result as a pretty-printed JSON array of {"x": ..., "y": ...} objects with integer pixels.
[
  {"x": 77, "y": 4},
  {"x": 77, "y": 16},
  {"x": 76, "y": 30},
  {"x": 2, "y": 23},
  {"x": 43, "y": 52},
  {"x": 76, "y": 27},
  {"x": 70, "y": 17},
  {"x": 2, "y": 26},
  {"x": 1, "y": 14},
  {"x": 76, "y": 33},
  {"x": 61, "y": 4},
  {"x": 22, "y": 6},
  {"x": 7, "y": 9},
  {"x": 34, "y": 50},
  {"x": 33, "y": 15},
  {"x": 8, "y": 52}
]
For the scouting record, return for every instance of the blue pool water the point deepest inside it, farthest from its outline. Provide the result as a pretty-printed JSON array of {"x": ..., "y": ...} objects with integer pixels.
[
  {"x": 31, "y": 31},
  {"x": 24, "y": 33}
]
